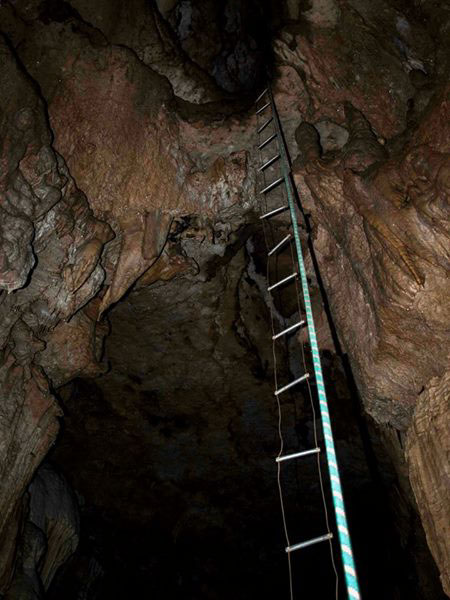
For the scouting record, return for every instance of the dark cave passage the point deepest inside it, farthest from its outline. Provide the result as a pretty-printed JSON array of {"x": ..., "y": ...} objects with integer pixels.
[
  {"x": 230, "y": 40},
  {"x": 171, "y": 453}
]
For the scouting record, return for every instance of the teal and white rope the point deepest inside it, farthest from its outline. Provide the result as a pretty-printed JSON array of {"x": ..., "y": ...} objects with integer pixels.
[{"x": 336, "y": 488}]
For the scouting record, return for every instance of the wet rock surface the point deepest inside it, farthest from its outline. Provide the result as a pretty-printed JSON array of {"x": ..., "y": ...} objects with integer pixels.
[{"x": 127, "y": 169}]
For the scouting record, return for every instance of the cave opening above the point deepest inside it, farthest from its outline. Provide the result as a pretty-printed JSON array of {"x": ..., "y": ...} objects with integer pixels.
[{"x": 230, "y": 40}]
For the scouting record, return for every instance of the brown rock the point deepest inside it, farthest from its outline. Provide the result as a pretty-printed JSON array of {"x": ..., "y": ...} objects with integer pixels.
[
  {"x": 427, "y": 451},
  {"x": 28, "y": 425}
]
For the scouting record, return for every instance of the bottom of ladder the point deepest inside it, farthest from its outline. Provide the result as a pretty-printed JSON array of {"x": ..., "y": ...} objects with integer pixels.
[{"x": 322, "y": 538}]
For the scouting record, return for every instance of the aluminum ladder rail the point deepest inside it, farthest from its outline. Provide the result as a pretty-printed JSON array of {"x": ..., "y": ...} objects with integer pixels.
[{"x": 351, "y": 578}]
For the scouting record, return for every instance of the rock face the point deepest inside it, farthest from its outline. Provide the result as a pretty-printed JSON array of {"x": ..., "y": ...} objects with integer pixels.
[
  {"x": 53, "y": 240},
  {"x": 125, "y": 161},
  {"x": 378, "y": 204},
  {"x": 50, "y": 536},
  {"x": 34, "y": 187},
  {"x": 426, "y": 450},
  {"x": 385, "y": 216}
]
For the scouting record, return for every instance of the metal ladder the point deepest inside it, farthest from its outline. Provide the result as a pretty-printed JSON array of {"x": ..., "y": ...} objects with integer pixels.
[{"x": 273, "y": 141}]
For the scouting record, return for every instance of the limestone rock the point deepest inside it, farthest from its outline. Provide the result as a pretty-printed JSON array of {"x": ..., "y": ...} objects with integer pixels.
[
  {"x": 27, "y": 584},
  {"x": 53, "y": 509},
  {"x": 427, "y": 451},
  {"x": 50, "y": 535},
  {"x": 380, "y": 217},
  {"x": 28, "y": 424},
  {"x": 46, "y": 223}
]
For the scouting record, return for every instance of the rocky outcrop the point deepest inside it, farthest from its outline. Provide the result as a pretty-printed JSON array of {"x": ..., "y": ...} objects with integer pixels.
[
  {"x": 34, "y": 186},
  {"x": 50, "y": 535},
  {"x": 54, "y": 510},
  {"x": 68, "y": 259},
  {"x": 379, "y": 232},
  {"x": 377, "y": 205},
  {"x": 123, "y": 144},
  {"x": 27, "y": 584},
  {"x": 427, "y": 451}
]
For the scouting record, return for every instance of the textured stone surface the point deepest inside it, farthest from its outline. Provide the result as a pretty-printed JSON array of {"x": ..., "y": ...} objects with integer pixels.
[
  {"x": 53, "y": 509},
  {"x": 380, "y": 238},
  {"x": 52, "y": 245},
  {"x": 427, "y": 451},
  {"x": 378, "y": 205},
  {"x": 27, "y": 584},
  {"x": 50, "y": 535},
  {"x": 360, "y": 89},
  {"x": 29, "y": 426},
  {"x": 113, "y": 122},
  {"x": 56, "y": 265}
]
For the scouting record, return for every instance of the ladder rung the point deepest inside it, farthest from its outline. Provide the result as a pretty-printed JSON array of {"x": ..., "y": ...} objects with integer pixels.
[
  {"x": 262, "y": 108},
  {"x": 278, "y": 246},
  {"x": 274, "y": 212},
  {"x": 297, "y": 454},
  {"x": 271, "y": 185},
  {"x": 260, "y": 96},
  {"x": 289, "y": 385},
  {"x": 269, "y": 162},
  {"x": 265, "y": 125},
  {"x": 316, "y": 540},
  {"x": 285, "y": 331},
  {"x": 269, "y": 139},
  {"x": 285, "y": 280}
]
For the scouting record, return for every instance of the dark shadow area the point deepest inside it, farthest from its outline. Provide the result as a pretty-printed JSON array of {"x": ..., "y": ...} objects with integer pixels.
[
  {"x": 172, "y": 453},
  {"x": 230, "y": 40}
]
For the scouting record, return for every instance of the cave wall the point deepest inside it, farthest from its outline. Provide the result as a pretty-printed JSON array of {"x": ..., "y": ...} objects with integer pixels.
[
  {"x": 66, "y": 259},
  {"x": 371, "y": 167},
  {"x": 117, "y": 128}
]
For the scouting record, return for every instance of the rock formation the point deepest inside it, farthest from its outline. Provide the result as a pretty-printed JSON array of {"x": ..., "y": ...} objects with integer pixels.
[
  {"x": 127, "y": 170},
  {"x": 379, "y": 208},
  {"x": 50, "y": 535}
]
